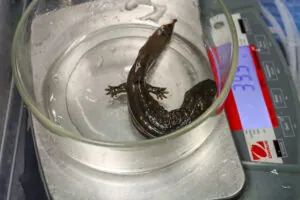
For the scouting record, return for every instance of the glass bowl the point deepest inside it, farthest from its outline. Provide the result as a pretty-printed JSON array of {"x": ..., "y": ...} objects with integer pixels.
[{"x": 66, "y": 53}]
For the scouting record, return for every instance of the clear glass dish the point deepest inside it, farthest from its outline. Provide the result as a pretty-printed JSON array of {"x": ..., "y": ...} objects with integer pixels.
[{"x": 66, "y": 53}]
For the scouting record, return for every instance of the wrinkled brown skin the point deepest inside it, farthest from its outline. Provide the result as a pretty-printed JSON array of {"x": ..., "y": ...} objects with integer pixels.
[{"x": 148, "y": 116}]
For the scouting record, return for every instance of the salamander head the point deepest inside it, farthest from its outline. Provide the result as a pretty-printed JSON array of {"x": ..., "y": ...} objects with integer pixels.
[
  {"x": 166, "y": 30},
  {"x": 210, "y": 88},
  {"x": 158, "y": 41}
]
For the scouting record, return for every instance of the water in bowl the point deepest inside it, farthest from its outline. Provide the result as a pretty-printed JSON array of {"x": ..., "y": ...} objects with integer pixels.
[{"x": 74, "y": 87}]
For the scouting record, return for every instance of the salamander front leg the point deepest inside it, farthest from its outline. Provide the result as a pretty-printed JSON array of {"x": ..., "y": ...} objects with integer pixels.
[
  {"x": 115, "y": 90},
  {"x": 158, "y": 91}
]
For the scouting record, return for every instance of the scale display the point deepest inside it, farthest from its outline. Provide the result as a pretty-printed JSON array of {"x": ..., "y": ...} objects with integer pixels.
[
  {"x": 261, "y": 107},
  {"x": 249, "y": 97}
]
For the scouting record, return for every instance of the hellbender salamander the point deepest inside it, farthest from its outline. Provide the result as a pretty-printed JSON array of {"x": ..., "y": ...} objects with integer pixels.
[{"x": 148, "y": 116}]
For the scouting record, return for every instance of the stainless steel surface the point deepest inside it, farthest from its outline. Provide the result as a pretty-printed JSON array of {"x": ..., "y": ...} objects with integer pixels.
[{"x": 212, "y": 172}]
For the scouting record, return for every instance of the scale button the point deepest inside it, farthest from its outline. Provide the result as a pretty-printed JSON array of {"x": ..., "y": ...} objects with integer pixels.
[
  {"x": 262, "y": 44},
  {"x": 247, "y": 26},
  {"x": 278, "y": 98},
  {"x": 270, "y": 70},
  {"x": 280, "y": 148},
  {"x": 286, "y": 126}
]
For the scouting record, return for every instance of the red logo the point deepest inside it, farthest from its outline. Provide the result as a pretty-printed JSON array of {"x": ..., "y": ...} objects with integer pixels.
[{"x": 260, "y": 150}]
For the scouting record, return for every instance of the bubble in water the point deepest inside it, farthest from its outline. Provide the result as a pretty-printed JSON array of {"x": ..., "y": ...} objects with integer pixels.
[
  {"x": 55, "y": 78},
  {"x": 51, "y": 22},
  {"x": 53, "y": 113},
  {"x": 57, "y": 118}
]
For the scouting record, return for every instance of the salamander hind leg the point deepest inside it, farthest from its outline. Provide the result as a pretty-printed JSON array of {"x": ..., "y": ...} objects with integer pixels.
[
  {"x": 116, "y": 90},
  {"x": 158, "y": 91}
]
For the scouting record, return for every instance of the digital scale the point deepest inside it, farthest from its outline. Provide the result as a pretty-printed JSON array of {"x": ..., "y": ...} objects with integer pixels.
[
  {"x": 262, "y": 105},
  {"x": 261, "y": 110}
]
